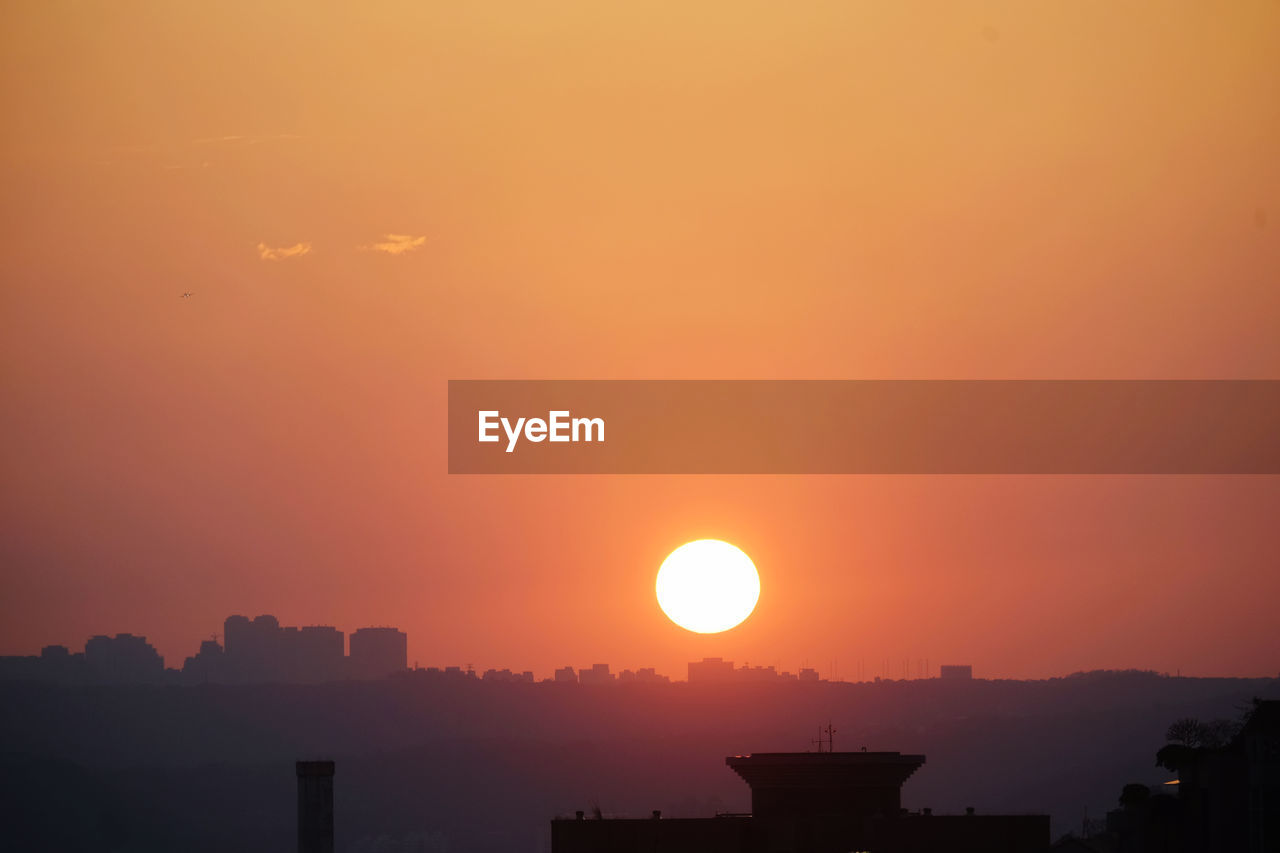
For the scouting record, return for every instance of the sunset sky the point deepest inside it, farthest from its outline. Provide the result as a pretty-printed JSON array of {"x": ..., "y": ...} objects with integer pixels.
[{"x": 365, "y": 203}]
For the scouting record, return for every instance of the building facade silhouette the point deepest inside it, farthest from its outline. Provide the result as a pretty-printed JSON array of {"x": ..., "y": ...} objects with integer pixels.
[
  {"x": 721, "y": 671},
  {"x": 315, "y": 806},
  {"x": 378, "y": 652},
  {"x": 812, "y": 802}
]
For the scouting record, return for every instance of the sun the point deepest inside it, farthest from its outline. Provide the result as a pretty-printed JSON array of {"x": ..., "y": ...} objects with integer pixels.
[{"x": 707, "y": 586}]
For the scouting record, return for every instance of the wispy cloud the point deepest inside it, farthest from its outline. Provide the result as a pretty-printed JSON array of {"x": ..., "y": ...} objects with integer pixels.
[
  {"x": 297, "y": 250},
  {"x": 395, "y": 244}
]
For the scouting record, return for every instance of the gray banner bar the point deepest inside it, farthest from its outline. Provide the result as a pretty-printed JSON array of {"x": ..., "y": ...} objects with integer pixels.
[{"x": 864, "y": 427}]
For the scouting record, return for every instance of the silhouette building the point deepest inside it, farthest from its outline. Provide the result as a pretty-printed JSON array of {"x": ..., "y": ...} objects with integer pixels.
[
  {"x": 206, "y": 665},
  {"x": 506, "y": 675},
  {"x": 710, "y": 671},
  {"x": 260, "y": 650},
  {"x": 721, "y": 671},
  {"x": 252, "y": 648},
  {"x": 313, "y": 653},
  {"x": 643, "y": 675},
  {"x": 253, "y": 651},
  {"x": 812, "y": 802},
  {"x": 378, "y": 652},
  {"x": 54, "y": 663},
  {"x": 598, "y": 674},
  {"x": 124, "y": 658},
  {"x": 315, "y": 806}
]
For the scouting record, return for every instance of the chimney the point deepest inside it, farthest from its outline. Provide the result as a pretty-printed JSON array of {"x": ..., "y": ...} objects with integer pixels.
[{"x": 315, "y": 806}]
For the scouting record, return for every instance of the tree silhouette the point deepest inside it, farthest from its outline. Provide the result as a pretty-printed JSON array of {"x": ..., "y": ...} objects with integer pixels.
[
  {"x": 1186, "y": 731},
  {"x": 1190, "y": 732},
  {"x": 1186, "y": 735}
]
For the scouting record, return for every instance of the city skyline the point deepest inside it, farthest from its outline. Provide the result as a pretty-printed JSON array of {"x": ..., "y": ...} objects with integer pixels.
[
  {"x": 856, "y": 192},
  {"x": 326, "y": 643},
  {"x": 331, "y": 644}
]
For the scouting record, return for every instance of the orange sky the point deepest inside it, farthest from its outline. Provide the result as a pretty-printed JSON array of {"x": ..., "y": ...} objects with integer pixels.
[{"x": 368, "y": 203}]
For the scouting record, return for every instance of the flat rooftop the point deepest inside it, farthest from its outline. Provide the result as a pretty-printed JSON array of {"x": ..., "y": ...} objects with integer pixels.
[
  {"x": 859, "y": 757},
  {"x": 810, "y": 770}
]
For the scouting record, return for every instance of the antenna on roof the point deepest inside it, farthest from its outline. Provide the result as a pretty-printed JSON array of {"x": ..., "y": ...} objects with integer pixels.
[{"x": 829, "y": 740}]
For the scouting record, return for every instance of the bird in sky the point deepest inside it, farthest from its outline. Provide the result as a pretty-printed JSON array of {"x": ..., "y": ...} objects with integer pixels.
[{"x": 186, "y": 295}]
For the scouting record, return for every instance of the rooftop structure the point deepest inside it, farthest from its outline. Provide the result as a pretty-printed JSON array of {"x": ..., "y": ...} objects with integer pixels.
[
  {"x": 812, "y": 802},
  {"x": 315, "y": 806},
  {"x": 823, "y": 783}
]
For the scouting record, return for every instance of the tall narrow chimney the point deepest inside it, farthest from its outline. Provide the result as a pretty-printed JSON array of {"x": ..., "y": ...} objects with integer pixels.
[{"x": 315, "y": 806}]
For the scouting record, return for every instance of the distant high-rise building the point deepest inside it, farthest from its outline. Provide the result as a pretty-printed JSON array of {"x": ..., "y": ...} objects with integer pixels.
[
  {"x": 260, "y": 650},
  {"x": 955, "y": 671},
  {"x": 452, "y": 673},
  {"x": 257, "y": 650},
  {"x": 710, "y": 671},
  {"x": 720, "y": 671},
  {"x": 57, "y": 663},
  {"x": 235, "y": 634},
  {"x": 206, "y": 665},
  {"x": 566, "y": 675},
  {"x": 598, "y": 674},
  {"x": 507, "y": 675},
  {"x": 756, "y": 673},
  {"x": 644, "y": 675},
  {"x": 313, "y": 653},
  {"x": 378, "y": 652},
  {"x": 122, "y": 658},
  {"x": 253, "y": 649}
]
